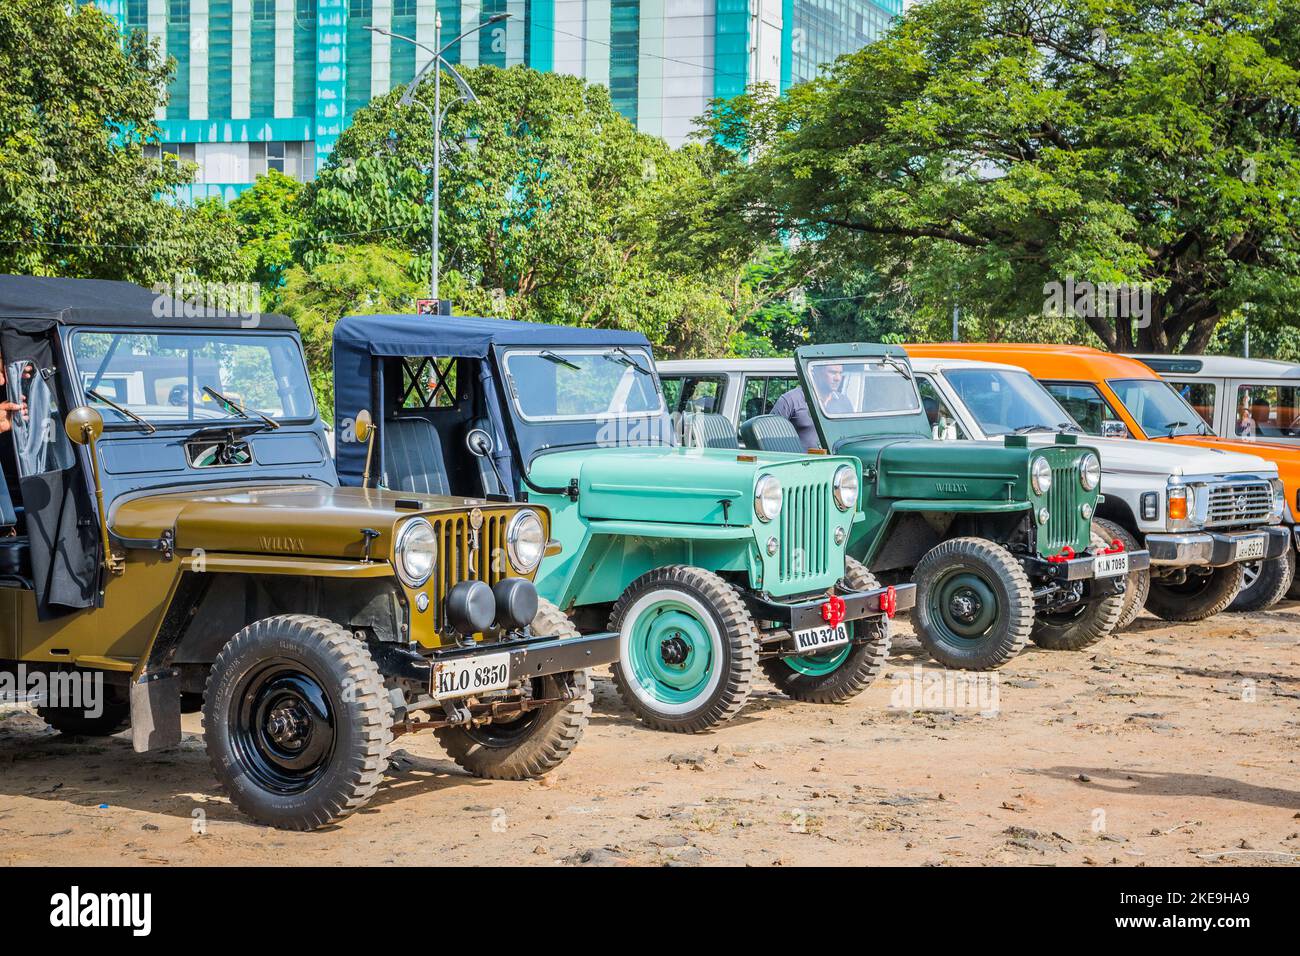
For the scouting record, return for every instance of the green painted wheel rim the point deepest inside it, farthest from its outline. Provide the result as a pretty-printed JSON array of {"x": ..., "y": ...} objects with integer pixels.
[
  {"x": 963, "y": 605},
  {"x": 670, "y": 652},
  {"x": 819, "y": 665}
]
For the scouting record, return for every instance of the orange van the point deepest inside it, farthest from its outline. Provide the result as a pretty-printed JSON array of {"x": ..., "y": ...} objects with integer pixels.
[{"x": 1115, "y": 396}]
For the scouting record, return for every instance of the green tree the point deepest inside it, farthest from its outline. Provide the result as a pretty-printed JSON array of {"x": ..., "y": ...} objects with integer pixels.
[
  {"x": 550, "y": 208},
  {"x": 985, "y": 149},
  {"x": 344, "y": 280},
  {"x": 268, "y": 219},
  {"x": 77, "y": 192}
]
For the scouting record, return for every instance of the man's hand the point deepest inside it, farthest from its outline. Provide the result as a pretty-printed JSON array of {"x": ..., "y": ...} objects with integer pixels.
[{"x": 7, "y": 411}]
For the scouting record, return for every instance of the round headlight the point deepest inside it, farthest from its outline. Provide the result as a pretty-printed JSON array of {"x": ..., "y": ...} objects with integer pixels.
[
  {"x": 416, "y": 553},
  {"x": 767, "y": 498},
  {"x": 1089, "y": 471},
  {"x": 846, "y": 487},
  {"x": 1040, "y": 474},
  {"x": 526, "y": 541}
]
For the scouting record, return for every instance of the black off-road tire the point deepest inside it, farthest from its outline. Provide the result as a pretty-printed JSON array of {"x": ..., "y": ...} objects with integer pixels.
[
  {"x": 738, "y": 636},
  {"x": 1002, "y": 575},
  {"x": 115, "y": 715},
  {"x": 531, "y": 745},
  {"x": 1084, "y": 625},
  {"x": 1269, "y": 586},
  {"x": 859, "y": 668},
  {"x": 253, "y": 667},
  {"x": 1139, "y": 582},
  {"x": 1200, "y": 597}
]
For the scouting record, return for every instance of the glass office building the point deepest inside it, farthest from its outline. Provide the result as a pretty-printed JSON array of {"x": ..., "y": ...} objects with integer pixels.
[{"x": 270, "y": 84}]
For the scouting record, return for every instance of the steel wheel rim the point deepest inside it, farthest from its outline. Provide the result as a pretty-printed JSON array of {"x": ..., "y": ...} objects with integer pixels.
[
  {"x": 283, "y": 727},
  {"x": 671, "y": 652},
  {"x": 963, "y": 604}
]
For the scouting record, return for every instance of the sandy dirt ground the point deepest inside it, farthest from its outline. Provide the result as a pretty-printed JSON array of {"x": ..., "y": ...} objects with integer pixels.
[{"x": 1162, "y": 745}]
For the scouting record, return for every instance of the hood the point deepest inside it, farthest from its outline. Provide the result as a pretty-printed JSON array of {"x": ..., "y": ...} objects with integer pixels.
[
  {"x": 684, "y": 485},
  {"x": 1135, "y": 457},
  {"x": 925, "y": 468},
  {"x": 317, "y": 520}
]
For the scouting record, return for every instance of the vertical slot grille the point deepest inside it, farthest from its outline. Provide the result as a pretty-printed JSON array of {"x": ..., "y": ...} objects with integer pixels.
[
  {"x": 459, "y": 560},
  {"x": 805, "y": 530}
]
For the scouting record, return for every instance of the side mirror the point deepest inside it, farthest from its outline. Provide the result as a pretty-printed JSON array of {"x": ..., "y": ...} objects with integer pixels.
[
  {"x": 83, "y": 426},
  {"x": 479, "y": 442},
  {"x": 363, "y": 426},
  {"x": 363, "y": 430},
  {"x": 1114, "y": 429}
]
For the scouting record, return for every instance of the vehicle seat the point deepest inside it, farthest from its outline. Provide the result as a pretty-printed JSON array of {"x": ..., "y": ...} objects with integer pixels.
[
  {"x": 771, "y": 433},
  {"x": 413, "y": 456},
  {"x": 15, "y": 557},
  {"x": 487, "y": 477},
  {"x": 707, "y": 430}
]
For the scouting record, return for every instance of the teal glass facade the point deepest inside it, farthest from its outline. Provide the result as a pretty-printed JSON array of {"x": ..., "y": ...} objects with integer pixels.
[{"x": 271, "y": 84}]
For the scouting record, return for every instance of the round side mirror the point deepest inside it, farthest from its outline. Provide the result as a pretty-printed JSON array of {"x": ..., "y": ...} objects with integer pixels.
[
  {"x": 83, "y": 424},
  {"x": 479, "y": 442},
  {"x": 363, "y": 426}
]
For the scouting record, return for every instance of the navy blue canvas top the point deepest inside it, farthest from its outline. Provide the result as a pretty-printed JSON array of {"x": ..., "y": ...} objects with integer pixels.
[
  {"x": 462, "y": 336},
  {"x": 107, "y": 302},
  {"x": 360, "y": 339}
]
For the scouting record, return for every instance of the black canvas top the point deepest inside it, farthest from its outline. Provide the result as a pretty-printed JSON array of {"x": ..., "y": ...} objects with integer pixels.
[{"x": 105, "y": 302}]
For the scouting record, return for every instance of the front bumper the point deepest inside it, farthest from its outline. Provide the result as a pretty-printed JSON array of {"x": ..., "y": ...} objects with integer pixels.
[
  {"x": 798, "y": 615},
  {"x": 1081, "y": 568},
  {"x": 529, "y": 657},
  {"x": 1211, "y": 549}
]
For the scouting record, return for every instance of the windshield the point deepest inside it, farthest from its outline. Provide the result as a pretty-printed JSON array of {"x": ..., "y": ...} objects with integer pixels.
[
  {"x": 582, "y": 384},
  {"x": 1160, "y": 411},
  {"x": 862, "y": 387},
  {"x": 164, "y": 377},
  {"x": 1006, "y": 403}
]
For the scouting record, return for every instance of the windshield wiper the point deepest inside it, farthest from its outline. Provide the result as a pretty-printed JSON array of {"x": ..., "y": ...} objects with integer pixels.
[
  {"x": 626, "y": 359},
  {"x": 236, "y": 407},
  {"x": 898, "y": 365},
  {"x": 1069, "y": 427},
  {"x": 560, "y": 360},
  {"x": 1026, "y": 429},
  {"x": 118, "y": 408},
  {"x": 1170, "y": 426}
]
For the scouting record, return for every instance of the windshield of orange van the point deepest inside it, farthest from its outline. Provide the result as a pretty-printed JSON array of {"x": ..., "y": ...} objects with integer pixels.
[{"x": 1159, "y": 410}]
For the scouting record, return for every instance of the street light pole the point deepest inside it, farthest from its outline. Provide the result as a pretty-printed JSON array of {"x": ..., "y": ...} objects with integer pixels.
[{"x": 436, "y": 116}]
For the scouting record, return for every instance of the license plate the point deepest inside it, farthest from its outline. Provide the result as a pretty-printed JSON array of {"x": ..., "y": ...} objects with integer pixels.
[
  {"x": 469, "y": 675},
  {"x": 1249, "y": 549},
  {"x": 1109, "y": 565},
  {"x": 817, "y": 638}
]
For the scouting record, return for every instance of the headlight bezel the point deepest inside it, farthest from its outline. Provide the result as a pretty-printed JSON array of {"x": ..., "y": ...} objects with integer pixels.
[
  {"x": 1090, "y": 468},
  {"x": 768, "y": 486},
  {"x": 401, "y": 549},
  {"x": 512, "y": 540},
  {"x": 1040, "y": 480},
  {"x": 838, "y": 492}
]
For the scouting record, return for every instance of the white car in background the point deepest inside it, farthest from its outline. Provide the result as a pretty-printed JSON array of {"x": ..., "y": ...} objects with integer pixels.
[{"x": 986, "y": 401}]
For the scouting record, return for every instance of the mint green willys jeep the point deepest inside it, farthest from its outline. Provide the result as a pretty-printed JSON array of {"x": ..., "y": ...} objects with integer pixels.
[{"x": 710, "y": 563}]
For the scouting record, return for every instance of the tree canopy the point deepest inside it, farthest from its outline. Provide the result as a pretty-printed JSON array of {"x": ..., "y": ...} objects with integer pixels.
[
  {"x": 78, "y": 194},
  {"x": 985, "y": 149}
]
